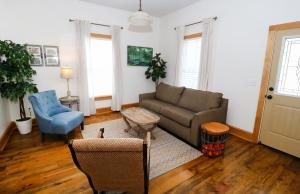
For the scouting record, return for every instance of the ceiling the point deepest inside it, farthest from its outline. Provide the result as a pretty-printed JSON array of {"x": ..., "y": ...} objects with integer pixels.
[{"x": 153, "y": 7}]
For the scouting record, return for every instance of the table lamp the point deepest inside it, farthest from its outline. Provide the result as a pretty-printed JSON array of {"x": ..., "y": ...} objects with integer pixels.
[{"x": 67, "y": 73}]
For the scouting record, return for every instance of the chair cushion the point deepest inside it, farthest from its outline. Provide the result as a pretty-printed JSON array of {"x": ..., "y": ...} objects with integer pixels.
[
  {"x": 168, "y": 93},
  {"x": 65, "y": 122},
  {"x": 197, "y": 100},
  {"x": 153, "y": 105},
  {"x": 177, "y": 114}
]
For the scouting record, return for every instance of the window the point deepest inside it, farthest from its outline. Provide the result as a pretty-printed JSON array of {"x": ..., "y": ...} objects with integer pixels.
[
  {"x": 189, "y": 70},
  {"x": 101, "y": 56},
  {"x": 289, "y": 74}
]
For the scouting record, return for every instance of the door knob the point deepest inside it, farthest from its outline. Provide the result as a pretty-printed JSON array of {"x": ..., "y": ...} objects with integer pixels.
[
  {"x": 271, "y": 89},
  {"x": 269, "y": 97}
]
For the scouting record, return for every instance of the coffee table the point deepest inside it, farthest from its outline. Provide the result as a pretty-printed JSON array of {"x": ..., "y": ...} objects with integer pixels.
[{"x": 143, "y": 119}]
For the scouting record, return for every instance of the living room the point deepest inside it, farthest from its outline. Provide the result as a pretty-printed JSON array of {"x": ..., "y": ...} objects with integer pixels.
[{"x": 234, "y": 45}]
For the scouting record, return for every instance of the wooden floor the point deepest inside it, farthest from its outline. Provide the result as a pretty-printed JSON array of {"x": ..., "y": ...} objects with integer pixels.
[{"x": 28, "y": 166}]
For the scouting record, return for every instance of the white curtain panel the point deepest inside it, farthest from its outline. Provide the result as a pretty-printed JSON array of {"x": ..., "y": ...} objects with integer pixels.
[
  {"x": 179, "y": 62},
  {"x": 206, "y": 54},
  {"x": 87, "y": 102},
  {"x": 116, "y": 103}
]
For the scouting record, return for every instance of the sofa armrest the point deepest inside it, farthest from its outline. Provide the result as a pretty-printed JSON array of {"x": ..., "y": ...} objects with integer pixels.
[
  {"x": 145, "y": 96},
  {"x": 216, "y": 115}
]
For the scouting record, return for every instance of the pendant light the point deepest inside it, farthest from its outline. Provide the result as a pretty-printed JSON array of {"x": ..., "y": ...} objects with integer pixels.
[{"x": 140, "y": 18}]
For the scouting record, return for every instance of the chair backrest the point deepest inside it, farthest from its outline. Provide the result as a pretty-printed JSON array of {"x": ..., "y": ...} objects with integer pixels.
[
  {"x": 113, "y": 164},
  {"x": 44, "y": 103}
]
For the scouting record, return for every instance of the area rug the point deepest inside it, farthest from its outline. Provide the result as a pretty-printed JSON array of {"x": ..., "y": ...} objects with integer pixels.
[{"x": 167, "y": 152}]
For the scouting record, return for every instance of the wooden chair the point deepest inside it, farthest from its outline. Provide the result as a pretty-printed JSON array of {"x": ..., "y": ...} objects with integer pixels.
[{"x": 113, "y": 164}]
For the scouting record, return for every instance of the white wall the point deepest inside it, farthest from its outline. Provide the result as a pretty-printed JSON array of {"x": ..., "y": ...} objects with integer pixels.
[
  {"x": 47, "y": 23},
  {"x": 4, "y": 116},
  {"x": 240, "y": 39}
]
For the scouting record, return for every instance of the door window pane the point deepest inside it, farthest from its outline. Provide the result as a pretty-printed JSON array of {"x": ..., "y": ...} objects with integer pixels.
[{"x": 289, "y": 74}]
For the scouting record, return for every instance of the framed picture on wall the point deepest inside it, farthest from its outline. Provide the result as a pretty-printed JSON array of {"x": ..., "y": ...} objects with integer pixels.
[
  {"x": 51, "y": 54},
  {"x": 139, "y": 56},
  {"x": 36, "y": 51}
]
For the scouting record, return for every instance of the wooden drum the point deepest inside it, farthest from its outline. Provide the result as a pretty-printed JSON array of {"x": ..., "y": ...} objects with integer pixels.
[{"x": 213, "y": 137}]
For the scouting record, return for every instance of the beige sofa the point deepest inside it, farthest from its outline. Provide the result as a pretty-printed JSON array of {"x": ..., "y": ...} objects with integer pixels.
[{"x": 183, "y": 110}]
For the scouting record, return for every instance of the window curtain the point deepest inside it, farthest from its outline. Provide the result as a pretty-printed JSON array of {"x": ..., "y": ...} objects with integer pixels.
[
  {"x": 180, "y": 44},
  {"x": 117, "y": 70},
  {"x": 87, "y": 101},
  {"x": 206, "y": 49}
]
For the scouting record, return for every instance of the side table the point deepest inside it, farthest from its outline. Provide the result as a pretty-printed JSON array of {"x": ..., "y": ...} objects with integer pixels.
[
  {"x": 69, "y": 101},
  {"x": 213, "y": 137}
]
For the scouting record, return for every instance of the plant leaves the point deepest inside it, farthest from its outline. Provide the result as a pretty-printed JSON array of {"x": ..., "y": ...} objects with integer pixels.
[{"x": 15, "y": 72}]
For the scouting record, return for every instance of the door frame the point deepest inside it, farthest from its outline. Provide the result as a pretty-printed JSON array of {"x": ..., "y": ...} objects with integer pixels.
[{"x": 266, "y": 74}]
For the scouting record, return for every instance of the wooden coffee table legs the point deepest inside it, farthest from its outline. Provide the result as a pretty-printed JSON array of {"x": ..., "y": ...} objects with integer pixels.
[
  {"x": 148, "y": 129},
  {"x": 139, "y": 128},
  {"x": 128, "y": 125}
]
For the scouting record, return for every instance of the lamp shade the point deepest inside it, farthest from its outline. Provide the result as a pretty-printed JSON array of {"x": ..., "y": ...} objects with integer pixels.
[
  {"x": 66, "y": 72},
  {"x": 140, "y": 18}
]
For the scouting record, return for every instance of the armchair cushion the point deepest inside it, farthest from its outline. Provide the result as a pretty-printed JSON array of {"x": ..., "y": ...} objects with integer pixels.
[
  {"x": 56, "y": 109},
  {"x": 64, "y": 122}
]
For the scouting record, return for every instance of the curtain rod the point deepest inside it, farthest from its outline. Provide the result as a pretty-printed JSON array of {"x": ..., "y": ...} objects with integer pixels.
[
  {"x": 214, "y": 18},
  {"x": 72, "y": 20}
]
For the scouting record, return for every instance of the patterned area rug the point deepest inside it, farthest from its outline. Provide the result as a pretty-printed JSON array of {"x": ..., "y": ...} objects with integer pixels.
[{"x": 167, "y": 152}]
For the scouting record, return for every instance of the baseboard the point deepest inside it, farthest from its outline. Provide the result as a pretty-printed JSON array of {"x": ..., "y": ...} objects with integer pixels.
[
  {"x": 103, "y": 110},
  {"x": 124, "y": 106},
  {"x": 6, "y": 135},
  {"x": 106, "y": 110},
  {"x": 241, "y": 134}
]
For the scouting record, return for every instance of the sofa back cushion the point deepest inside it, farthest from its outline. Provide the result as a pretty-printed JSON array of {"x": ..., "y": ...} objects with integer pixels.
[
  {"x": 168, "y": 93},
  {"x": 197, "y": 100}
]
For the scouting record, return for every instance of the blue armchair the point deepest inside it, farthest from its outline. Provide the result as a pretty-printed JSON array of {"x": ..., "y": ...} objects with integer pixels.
[{"x": 52, "y": 117}]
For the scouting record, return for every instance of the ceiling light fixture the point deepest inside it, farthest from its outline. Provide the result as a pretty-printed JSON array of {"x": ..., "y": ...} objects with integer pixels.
[{"x": 140, "y": 18}]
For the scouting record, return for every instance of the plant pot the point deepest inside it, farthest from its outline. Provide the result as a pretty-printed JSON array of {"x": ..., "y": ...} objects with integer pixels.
[{"x": 24, "y": 126}]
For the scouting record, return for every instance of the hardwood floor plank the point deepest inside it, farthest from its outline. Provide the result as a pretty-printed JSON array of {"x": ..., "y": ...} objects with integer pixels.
[{"x": 29, "y": 166}]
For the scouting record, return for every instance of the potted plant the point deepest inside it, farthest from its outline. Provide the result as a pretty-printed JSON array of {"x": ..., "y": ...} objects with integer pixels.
[
  {"x": 157, "y": 69},
  {"x": 16, "y": 78}
]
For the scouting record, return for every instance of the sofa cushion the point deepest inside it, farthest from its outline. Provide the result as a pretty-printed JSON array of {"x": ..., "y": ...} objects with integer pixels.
[
  {"x": 177, "y": 114},
  {"x": 197, "y": 100},
  {"x": 168, "y": 93},
  {"x": 153, "y": 105}
]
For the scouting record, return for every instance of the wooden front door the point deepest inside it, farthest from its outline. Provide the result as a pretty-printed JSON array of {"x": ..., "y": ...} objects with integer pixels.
[{"x": 280, "y": 127}]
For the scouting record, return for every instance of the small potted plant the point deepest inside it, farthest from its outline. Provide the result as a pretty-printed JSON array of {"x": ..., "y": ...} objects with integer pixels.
[
  {"x": 16, "y": 78},
  {"x": 157, "y": 69}
]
